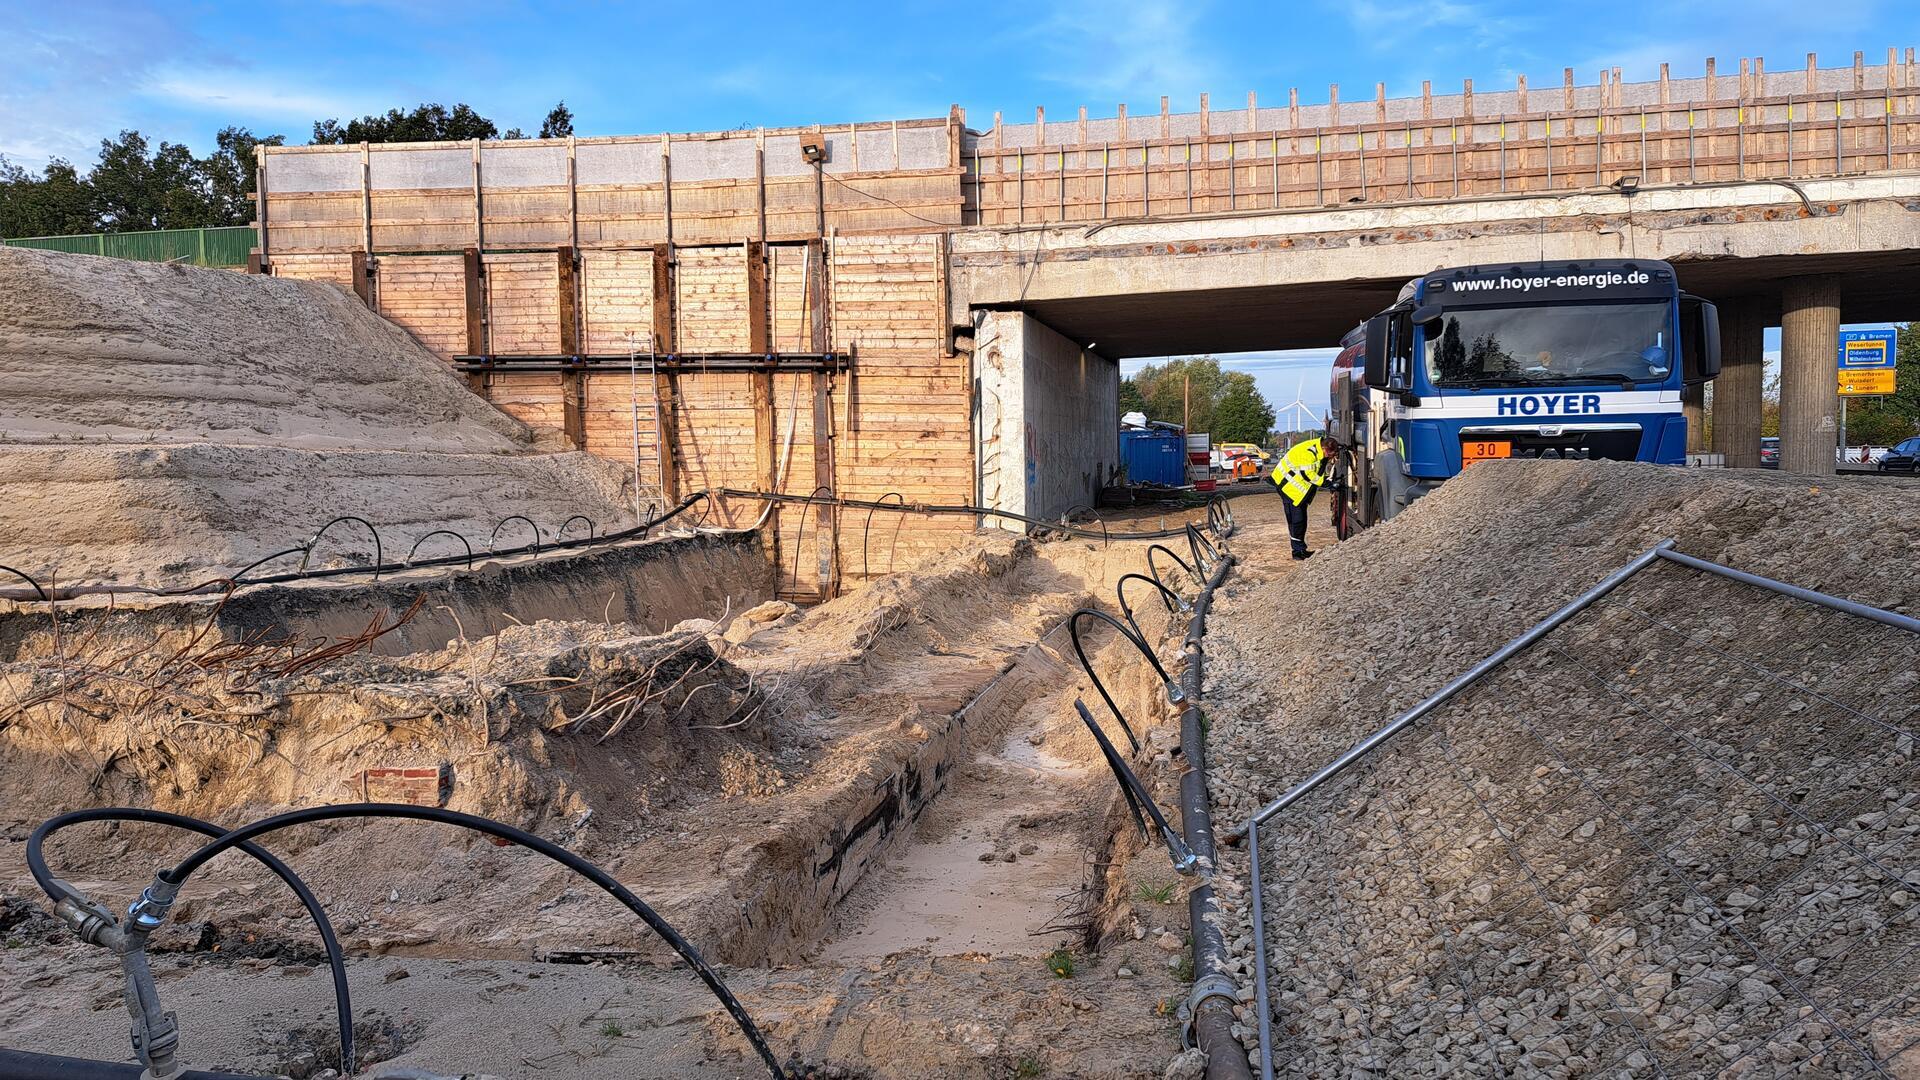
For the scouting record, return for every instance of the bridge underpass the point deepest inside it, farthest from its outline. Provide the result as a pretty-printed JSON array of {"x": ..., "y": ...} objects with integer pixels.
[{"x": 1806, "y": 257}]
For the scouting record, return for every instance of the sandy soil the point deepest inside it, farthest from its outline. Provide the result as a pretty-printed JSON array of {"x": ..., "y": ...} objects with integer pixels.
[
  {"x": 920, "y": 971},
  {"x": 161, "y": 424}
]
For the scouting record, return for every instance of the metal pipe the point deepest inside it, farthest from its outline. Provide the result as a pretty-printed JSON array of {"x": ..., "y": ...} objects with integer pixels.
[
  {"x": 1261, "y": 998},
  {"x": 1865, "y": 611},
  {"x": 1212, "y": 1000},
  {"x": 1472, "y": 675},
  {"x": 25, "y": 1065}
]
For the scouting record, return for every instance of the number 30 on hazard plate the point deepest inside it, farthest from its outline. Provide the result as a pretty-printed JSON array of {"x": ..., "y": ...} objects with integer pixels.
[{"x": 1480, "y": 450}]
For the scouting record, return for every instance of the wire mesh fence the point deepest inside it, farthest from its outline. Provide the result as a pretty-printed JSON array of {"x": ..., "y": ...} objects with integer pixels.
[{"x": 1678, "y": 837}]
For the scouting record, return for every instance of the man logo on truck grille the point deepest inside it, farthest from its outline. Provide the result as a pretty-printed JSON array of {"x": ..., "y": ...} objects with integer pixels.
[{"x": 1548, "y": 405}]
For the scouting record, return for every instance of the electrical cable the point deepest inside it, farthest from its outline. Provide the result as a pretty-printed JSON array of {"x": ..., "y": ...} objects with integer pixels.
[
  {"x": 342, "y": 1002},
  {"x": 179, "y": 874}
]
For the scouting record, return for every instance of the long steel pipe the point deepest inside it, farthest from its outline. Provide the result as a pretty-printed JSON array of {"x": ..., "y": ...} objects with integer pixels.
[
  {"x": 1851, "y": 607},
  {"x": 1468, "y": 678}
]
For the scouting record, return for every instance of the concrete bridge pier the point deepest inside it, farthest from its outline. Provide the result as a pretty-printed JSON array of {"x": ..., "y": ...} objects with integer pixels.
[
  {"x": 1809, "y": 386},
  {"x": 1737, "y": 392},
  {"x": 1047, "y": 422}
]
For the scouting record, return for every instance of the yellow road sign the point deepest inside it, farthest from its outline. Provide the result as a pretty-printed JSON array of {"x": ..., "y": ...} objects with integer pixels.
[{"x": 1866, "y": 382}]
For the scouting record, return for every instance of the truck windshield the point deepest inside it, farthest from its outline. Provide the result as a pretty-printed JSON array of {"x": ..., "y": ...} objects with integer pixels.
[{"x": 1550, "y": 344}]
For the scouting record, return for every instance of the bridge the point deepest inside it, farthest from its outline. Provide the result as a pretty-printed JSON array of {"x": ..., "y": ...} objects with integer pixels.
[{"x": 922, "y": 308}]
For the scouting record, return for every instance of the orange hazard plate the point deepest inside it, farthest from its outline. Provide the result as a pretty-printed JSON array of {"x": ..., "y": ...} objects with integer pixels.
[{"x": 1480, "y": 450}]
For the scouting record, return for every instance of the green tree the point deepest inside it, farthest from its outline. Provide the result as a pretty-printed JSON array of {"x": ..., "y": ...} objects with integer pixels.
[
  {"x": 1242, "y": 415},
  {"x": 424, "y": 123},
  {"x": 1130, "y": 399},
  {"x": 229, "y": 174},
  {"x": 137, "y": 188},
  {"x": 1166, "y": 390},
  {"x": 56, "y": 202},
  {"x": 558, "y": 124},
  {"x": 1883, "y": 421}
]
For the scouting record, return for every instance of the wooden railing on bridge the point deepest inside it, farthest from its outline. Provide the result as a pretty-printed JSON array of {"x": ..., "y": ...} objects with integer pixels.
[{"x": 1836, "y": 121}]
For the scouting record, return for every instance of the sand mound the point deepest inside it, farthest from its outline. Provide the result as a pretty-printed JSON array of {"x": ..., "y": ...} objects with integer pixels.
[
  {"x": 1653, "y": 843},
  {"x": 97, "y": 350},
  {"x": 160, "y": 424}
]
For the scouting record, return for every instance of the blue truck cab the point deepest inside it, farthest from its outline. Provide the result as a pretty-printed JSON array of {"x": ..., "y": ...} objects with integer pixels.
[{"x": 1582, "y": 360}]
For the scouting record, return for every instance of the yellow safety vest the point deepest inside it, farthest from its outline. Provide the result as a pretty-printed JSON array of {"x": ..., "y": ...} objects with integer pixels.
[{"x": 1299, "y": 470}]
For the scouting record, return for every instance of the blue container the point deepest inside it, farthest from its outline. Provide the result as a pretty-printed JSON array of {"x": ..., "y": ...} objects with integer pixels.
[{"x": 1154, "y": 456}]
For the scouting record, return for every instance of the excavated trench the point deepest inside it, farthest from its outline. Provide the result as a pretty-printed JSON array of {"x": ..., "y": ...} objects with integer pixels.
[{"x": 897, "y": 769}]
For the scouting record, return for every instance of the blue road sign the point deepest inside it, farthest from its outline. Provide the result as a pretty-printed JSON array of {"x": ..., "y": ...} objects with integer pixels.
[{"x": 1866, "y": 349}]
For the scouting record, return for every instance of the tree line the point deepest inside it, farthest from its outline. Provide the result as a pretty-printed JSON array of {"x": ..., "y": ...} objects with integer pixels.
[
  {"x": 135, "y": 184},
  {"x": 1225, "y": 404}
]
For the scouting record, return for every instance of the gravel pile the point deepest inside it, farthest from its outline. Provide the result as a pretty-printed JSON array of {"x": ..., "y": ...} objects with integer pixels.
[{"x": 1679, "y": 837}]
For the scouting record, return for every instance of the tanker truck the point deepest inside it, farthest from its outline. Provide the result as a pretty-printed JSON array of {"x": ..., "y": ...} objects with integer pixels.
[{"x": 1582, "y": 360}]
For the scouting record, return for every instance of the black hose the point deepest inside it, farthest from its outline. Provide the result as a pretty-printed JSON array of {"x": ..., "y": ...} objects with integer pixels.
[
  {"x": 1205, "y": 554},
  {"x": 179, "y": 874},
  {"x": 495, "y": 535},
  {"x": 1167, "y": 596},
  {"x": 562, "y": 534},
  {"x": 313, "y": 540},
  {"x": 868, "y": 528},
  {"x": 239, "y": 578},
  {"x": 1130, "y": 784},
  {"x": 1073, "y": 631},
  {"x": 958, "y": 508},
  {"x": 342, "y": 1003},
  {"x": 800, "y": 538},
  {"x": 441, "y": 532},
  {"x": 42, "y": 593},
  {"x": 1154, "y": 571}
]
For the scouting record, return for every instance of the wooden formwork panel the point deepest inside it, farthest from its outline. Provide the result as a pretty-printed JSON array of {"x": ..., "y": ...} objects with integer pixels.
[
  {"x": 335, "y": 269},
  {"x": 616, "y": 293},
  {"x": 523, "y": 305},
  {"x": 710, "y": 299},
  {"x": 533, "y": 398},
  {"x": 426, "y": 295}
]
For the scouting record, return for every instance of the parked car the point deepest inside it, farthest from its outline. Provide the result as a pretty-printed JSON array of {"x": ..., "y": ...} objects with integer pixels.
[
  {"x": 1904, "y": 457},
  {"x": 1770, "y": 452}
]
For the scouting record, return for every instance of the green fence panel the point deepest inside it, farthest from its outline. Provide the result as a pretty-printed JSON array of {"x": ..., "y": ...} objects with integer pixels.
[{"x": 219, "y": 247}]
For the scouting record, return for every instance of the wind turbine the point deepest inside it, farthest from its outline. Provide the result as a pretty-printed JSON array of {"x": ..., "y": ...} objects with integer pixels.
[{"x": 1298, "y": 403}]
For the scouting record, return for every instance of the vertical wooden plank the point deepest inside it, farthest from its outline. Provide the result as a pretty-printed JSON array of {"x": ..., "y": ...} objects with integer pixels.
[
  {"x": 667, "y": 435},
  {"x": 362, "y": 288},
  {"x": 759, "y": 340},
  {"x": 366, "y": 198},
  {"x": 572, "y": 383},
  {"x": 476, "y": 305}
]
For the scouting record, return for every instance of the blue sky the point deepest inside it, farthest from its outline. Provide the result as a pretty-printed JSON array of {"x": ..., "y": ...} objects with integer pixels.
[{"x": 76, "y": 71}]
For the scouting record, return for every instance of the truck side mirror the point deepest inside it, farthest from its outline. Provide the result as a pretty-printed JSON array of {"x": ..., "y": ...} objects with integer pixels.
[
  {"x": 1376, "y": 370},
  {"x": 1700, "y": 341}
]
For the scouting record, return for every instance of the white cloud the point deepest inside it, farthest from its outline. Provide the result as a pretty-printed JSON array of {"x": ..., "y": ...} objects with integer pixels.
[
  {"x": 1094, "y": 47},
  {"x": 244, "y": 95}
]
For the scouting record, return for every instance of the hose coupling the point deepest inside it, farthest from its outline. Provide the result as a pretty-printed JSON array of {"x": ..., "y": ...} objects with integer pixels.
[
  {"x": 149, "y": 913},
  {"x": 1175, "y": 695},
  {"x": 94, "y": 924},
  {"x": 1185, "y": 862}
]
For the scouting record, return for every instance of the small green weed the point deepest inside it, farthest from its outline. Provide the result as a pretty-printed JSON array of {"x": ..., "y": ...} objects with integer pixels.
[
  {"x": 611, "y": 1030},
  {"x": 1155, "y": 894},
  {"x": 1028, "y": 1066},
  {"x": 1060, "y": 962}
]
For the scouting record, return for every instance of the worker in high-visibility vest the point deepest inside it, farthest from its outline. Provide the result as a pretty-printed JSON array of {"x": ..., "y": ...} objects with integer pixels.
[{"x": 1301, "y": 472}]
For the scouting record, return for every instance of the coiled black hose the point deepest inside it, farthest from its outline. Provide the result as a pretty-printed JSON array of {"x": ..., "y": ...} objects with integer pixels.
[
  {"x": 1205, "y": 554},
  {"x": 1154, "y": 571},
  {"x": 1167, "y": 596},
  {"x": 342, "y": 1002},
  {"x": 868, "y": 529},
  {"x": 42, "y": 593},
  {"x": 179, "y": 874},
  {"x": 378, "y": 559},
  {"x": 1130, "y": 784},
  {"x": 1073, "y": 631},
  {"x": 440, "y": 532}
]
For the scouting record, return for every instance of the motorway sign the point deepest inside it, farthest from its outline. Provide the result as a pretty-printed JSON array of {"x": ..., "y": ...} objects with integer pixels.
[{"x": 1866, "y": 362}]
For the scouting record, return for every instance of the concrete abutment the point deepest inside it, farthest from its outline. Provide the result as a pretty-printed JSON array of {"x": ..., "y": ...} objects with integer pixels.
[{"x": 1809, "y": 385}]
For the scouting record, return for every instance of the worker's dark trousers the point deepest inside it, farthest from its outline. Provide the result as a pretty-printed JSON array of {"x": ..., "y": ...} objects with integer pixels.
[{"x": 1297, "y": 520}]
